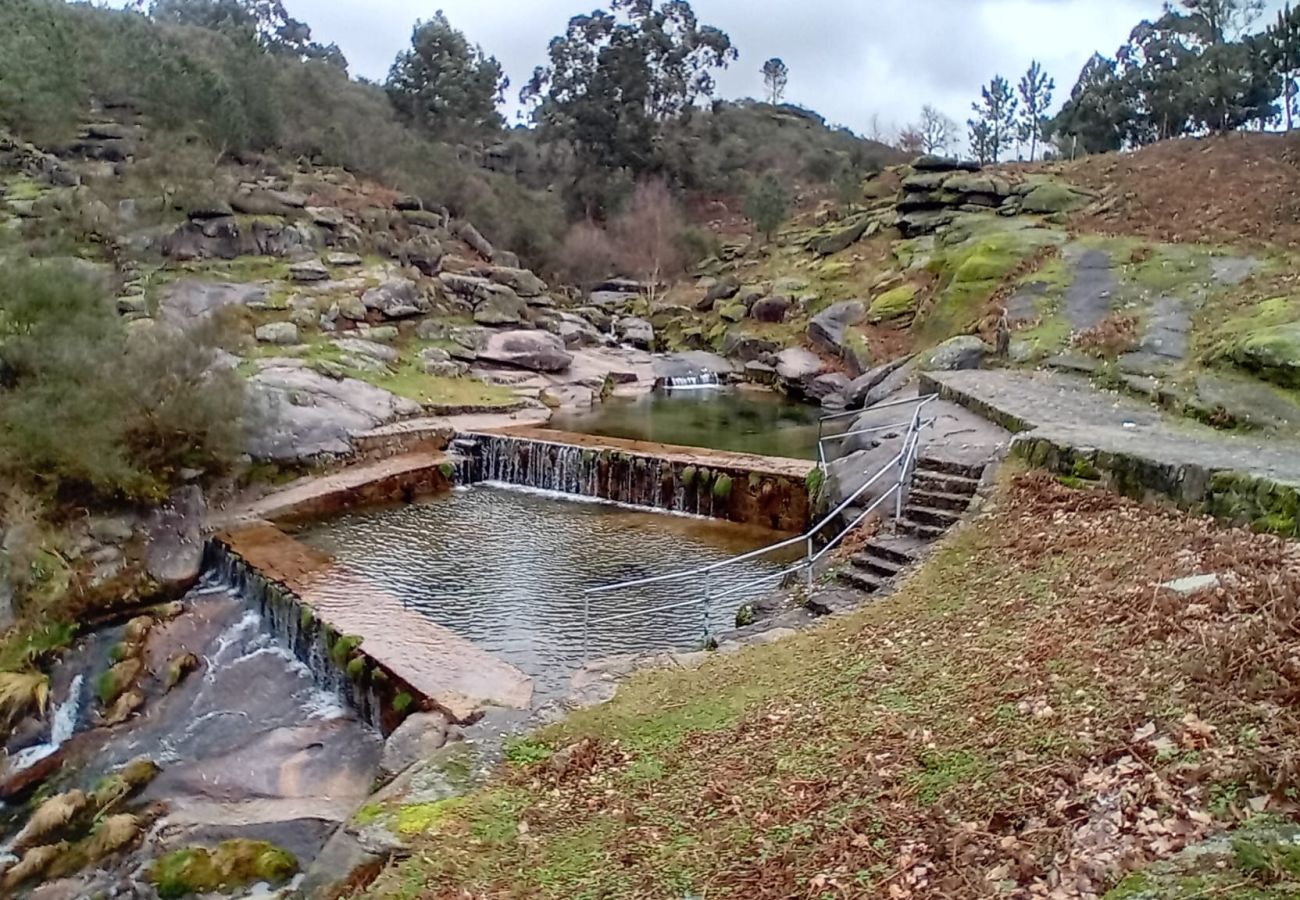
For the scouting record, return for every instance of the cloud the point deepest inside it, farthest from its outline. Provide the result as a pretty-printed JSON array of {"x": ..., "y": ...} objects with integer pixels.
[{"x": 851, "y": 60}]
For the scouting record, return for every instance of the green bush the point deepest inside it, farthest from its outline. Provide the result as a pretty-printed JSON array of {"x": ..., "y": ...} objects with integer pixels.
[{"x": 86, "y": 406}]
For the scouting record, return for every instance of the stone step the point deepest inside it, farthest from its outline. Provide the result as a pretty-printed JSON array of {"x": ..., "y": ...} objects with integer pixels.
[
  {"x": 940, "y": 483},
  {"x": 899, "y": 549},
  {"x": 923, "y": 531},
  {"x": 949, "y": 467},
  {"x": 940, "y": 500},
  {"x": 862, "y": 581},
  {"x": 868, "y": 562},
  {"x": 925, "y": 515}
]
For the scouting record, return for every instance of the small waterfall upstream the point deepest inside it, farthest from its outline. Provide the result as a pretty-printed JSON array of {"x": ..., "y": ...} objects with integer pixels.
[
  {"x": 63, "y": 725},
  {"x": 606, "y": 474},
  {"x": 693, "y": 382}
]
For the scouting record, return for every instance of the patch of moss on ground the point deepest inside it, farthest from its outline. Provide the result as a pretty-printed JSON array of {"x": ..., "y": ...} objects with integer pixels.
[{"x": 227, "y": 867}]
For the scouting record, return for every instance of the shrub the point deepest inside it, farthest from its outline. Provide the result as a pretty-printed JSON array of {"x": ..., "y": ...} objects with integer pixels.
[
  {"x": 586, "y": 256},
  {"x": 84, "y": 405}
]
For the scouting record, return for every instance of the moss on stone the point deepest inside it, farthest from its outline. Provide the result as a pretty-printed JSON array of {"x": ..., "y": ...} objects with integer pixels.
[
  {"x": 688, "y": 476},
  {"x": 227, "y": 867},
  {"x": 447, "y": 470},
  {"x": 722, "y": 487},
  {"x": 178, "y": 667},
  {"x": 402, "y": 702},
  {"x": 356, "y": 668},
  {"x": 305, "y": 617},
  {"x": 343, "y": 649},
  {"x": 117, "y": 680},
  {"x": 418, "y": 818},
  {"x": 1273, "y": 353},
  {"x": 895, "y": 304}
]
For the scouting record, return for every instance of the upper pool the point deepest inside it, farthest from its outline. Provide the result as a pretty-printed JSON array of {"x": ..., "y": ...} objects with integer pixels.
[{"x": 739, "y": 420}]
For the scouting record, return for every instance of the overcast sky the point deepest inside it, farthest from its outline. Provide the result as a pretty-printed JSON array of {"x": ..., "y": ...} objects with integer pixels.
[{"x": 849, "y": 59}]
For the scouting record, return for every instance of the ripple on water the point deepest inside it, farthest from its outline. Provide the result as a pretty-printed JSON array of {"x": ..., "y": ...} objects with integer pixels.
[{"x": 507, "y": 568}]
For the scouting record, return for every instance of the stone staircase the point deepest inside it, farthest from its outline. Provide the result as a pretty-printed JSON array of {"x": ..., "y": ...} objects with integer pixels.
[{"x": 941, "y": 493}]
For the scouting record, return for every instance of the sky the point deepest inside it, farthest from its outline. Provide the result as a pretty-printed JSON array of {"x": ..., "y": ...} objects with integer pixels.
[{"x": 866, "y": 64}]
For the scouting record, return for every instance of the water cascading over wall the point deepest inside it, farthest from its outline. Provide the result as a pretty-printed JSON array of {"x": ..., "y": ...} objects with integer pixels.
[
  {"x": 697, "y": 482},
  {"x": 368, "y": 687}
]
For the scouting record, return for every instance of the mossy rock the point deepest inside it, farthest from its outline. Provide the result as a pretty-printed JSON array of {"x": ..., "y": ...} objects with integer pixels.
[
  {"x": 118, "y": 680},
  {"x": 343, "y": 648},
  {"x": 1273, "y": 353},
  {"x": 688, "y": 476},
  {"x": 1053, "y": 197},
  {"x": 895, "y": 304},
  {"x": 733, "y": 312},
  {"x": 402, "y": 702},
  {"x": 722, "y": 487},
  {"x": 229, "y": 866},
  {"x": 178, "y": 667}
]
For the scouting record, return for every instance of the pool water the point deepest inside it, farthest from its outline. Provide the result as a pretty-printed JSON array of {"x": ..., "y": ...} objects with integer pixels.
[
  {"x": 506, "y": 568},
  {"x": 743, "y": 421}
]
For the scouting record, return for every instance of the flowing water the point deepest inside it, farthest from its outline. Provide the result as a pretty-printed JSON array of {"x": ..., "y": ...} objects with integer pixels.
[
  {"x": 743, "y": 421},
  {"x": 506, "y": 568}
]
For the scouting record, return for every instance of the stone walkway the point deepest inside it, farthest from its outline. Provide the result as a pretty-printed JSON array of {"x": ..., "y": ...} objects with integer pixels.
[
  {"x": 459, "y": 677},
  {"x": 1070, "y": 412}
]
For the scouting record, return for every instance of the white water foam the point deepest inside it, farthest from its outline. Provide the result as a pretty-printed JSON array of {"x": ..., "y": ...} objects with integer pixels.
[{"x": 62, "y": 727}]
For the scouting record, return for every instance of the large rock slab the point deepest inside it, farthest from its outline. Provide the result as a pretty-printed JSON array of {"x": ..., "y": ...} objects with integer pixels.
[
  {"x": 828, "y": 327},
  {"x": 397, "y": 298},
  {"x": 963, "y": 352},
  {"x": 1272, "y": 353},
  {"x": 539, "y": 351},
  {"x": 187, "y": 302},
  {"x": 298, "y": 413},
  {"x": 174, "y": 539}
]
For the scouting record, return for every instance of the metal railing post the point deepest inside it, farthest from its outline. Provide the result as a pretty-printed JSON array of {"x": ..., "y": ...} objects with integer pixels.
[{"x": 810, "y": 563}]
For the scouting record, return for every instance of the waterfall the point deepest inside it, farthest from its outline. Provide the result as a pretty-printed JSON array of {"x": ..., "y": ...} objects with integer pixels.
[
  {"x": 62, "y": 727},
  {"x": 294, "y": 625},
  {"x": 693, "y": 382}
]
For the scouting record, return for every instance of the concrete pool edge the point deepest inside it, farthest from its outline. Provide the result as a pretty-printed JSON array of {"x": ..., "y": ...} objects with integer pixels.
[{"x": 285, "y": 576}]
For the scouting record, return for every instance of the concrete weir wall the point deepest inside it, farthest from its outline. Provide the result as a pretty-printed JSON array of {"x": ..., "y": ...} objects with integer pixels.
[
  {"x": 358, "y": 638},
  {"x": 754, "y": 490}
]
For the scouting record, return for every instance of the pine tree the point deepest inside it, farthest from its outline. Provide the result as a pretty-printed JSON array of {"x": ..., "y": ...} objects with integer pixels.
[
  {"x": 995, "y": 120},
  {"x": 1035, "y": 98},
  {"x": 776, "y": 75},
  {"x": 1285, "y": 39}
]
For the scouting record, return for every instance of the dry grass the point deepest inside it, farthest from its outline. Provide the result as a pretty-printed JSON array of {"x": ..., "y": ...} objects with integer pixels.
[
  {"x": 1030, "y": 715},
  {"x": 1115, "y": 335}
]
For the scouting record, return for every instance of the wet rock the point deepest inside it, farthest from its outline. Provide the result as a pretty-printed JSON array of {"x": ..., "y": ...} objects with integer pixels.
[
  {"x": 32, "y": 865},
  {"x": 637, "y": 332},
  {"x": 962, "y": 352},
  {"x": 277, "y": 333},
  {"x": 415, "y": 739},
  {"x": 179, "y": 667},
  {"x": 51, "y": 818},
  {"x": 827, "y": 328},
  {"x": 308, "y": 271},
  {"x": 17, "y": 785},
  {"x": 397, "y": 298},
  {"x": 539, "y": 351},
  {"x": 174, "y": 548}
]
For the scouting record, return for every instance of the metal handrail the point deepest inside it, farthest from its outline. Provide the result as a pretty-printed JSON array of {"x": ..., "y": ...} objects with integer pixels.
[
  {"x": 904, "y": 461},
  {"x": 822, "y": 437}
]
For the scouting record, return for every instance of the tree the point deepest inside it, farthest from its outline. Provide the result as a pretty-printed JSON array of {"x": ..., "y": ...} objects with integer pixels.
[
  {"x": 265, "y": 21},
  {"x": 647, "y": 235},
  {"x": 937, "y": 130},
  {"x": 911, "y": 140},
  {"x": 614, "y": 78},
  {"x": 443, "y": 81},
  {"x": 1097, "y": 113},
  {"x": 776, "y": 75},
  {"x": 1227, "y": 20},
  {"x": 767, "y": 204},
  {"x": 1284, "y": 37},
  {"x": 1035, "y": 99},
  {"x": 995, "y": 121},
  {"x": 587, "y": 256}
]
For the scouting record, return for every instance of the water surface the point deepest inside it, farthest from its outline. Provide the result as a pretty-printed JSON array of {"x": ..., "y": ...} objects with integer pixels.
[
  {"x": 743, "y": 421},
  {"x": 506, "y": 568}
]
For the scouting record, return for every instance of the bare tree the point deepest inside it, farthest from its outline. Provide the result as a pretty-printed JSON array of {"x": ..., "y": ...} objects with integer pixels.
[
  {"x": 587, "y": 256},
  {"x": 647, "y": 235},
  {"x": 937, "y": 130},
  {"x": 911, "y": 140}
]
